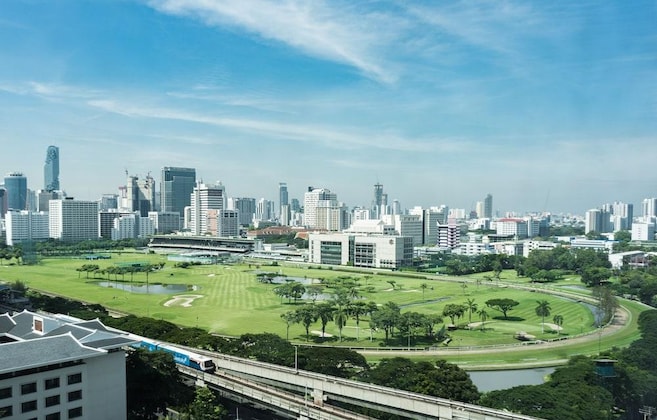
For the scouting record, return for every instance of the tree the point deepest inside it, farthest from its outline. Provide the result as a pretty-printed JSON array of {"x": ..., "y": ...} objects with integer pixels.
[
  {"x": 543, "y": 309},
  {"x": 152, "y": 383},
  {"x": 356, "y": 310},
  {"x": 454, "y": 311},
  {"x": 595, "y": 276},
  {"x": 393, "y": 283},
  {"x": 340, "y": 317},
  {"x": 266, "y": 347},
  {"x": 438, "y": 379},
  {"x": 386, "y": 317},
  {"x": 324, "y": 313},
  {"x": 472, "y": 307},
  {"x": 483, "y": 315},
  {"x": 306, "y": 315},
  {"x": 205, "y": 406},
  {"x": 334, "y": 361},
  {"x": 289, "y": 318},
  {"x": 558, "y": 321},
  {"x": 424, "y": 287},
  {"x": 503, "y": 305}
]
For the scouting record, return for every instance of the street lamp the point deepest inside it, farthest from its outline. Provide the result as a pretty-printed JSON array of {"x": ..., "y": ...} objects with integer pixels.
[{"x": 296, "y": 359}]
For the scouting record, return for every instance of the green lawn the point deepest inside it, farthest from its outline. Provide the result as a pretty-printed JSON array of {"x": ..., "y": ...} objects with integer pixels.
[{"x": 231, "y": 301}]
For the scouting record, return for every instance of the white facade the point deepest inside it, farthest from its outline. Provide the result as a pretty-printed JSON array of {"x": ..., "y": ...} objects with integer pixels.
[
  {"x": 529, "y": 246},
  {"x": 376, "y": 251},
  {"x": 370, "y": 227},
  {"x": 311, "y": 200},
  {"x": 449, "y": 234},
  {"x": 26, "y": 226},
  {"x": 124, "y": 227},
  {"x": 78, "y": 373},
  {"x": 474, "y": 248},
  {"x": 512, "y": 227},
  {"x": 73, "y": 220},
  {"x": 643, "y": 231},
  {"x": 649, "y": 209},
  {"x": 406, "y": 225},
  {"x": 203, "y": 198}
]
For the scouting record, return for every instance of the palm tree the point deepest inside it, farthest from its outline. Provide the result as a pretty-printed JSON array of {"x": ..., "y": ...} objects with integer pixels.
[
  {"x": 340, "y": 318},
  {"x": 357, "y": 309},
  {"x": 472, "y": 307},
  {"x": 558, "y": 320},
  {"x": 483, "y": 315},
  {"x": 324, "y": 313},
  {"x": 543, "y": 310},
  {"x": 424, "y": 287},
  {"x": 289, "y": 317}
]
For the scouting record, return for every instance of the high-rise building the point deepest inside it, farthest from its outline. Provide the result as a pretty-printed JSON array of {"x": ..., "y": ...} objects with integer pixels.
[
  {"x": 380, "y": 202},
  {"x": 311, "y": 200},
  {"x": 203, "y": 198},
  {"x": 16, "y": 186},
  {"x": 140, "y": 195},
  {"x": 23, "y": 225},
  {"x": 51, "y": 169},
  {"x": 449, "y": 234},
  {"x": 246, "y": 207},
  {"x": 73, "y": 220},
  {"x": 264, "y": 210},
  {"x": 282, "y": 197},
  {"x": 488, "y": 206},
  {"x": 593, "y": 221},
  {"x": 3, "y": 201},
  {"x": 176, "y": 188},
  {"x": 649, "y": 209}
]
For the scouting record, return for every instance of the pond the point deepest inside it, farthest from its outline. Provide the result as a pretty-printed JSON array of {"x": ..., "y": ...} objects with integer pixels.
[{"x": 151, "y": 289}]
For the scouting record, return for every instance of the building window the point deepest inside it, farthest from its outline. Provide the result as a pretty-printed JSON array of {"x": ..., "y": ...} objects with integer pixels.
[
  {"x": 28, "y": 388},
  {"x": 53, "y": 400},
  {"x": 52, "y": 383},
  {"x": 7, "y": 411},
  {"x": 5, "y": 393},
  {"x": 28, "y": 406},
  {"x": 54, "y": 416},
  {"x": 75, "y": 378},
  {"x": 74, "y": 413},
  {"x": 75, "y": 395}
]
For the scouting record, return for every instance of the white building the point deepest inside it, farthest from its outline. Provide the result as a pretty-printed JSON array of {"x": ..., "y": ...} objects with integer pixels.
[
  {"x": 370, "y": 227},
  {"x": 124, "y": 227},
  {"x": 58, "y": 367},
  {"x": 203, "y": 198},
  {"x": 311, "y": 201},
  {"x": 331, "y": 216},
  {"x": 649, "y": 209},
  {"x": 529, "y": 246},
  {"x": 512, "y": 227},
  {"x": 406, "y": 225},
  {"x": 374, "y": 251},
  {"x": 643, "y": 231},
  {"x": 23, "y": 225},
  {"x": 449, "y": 234},
  {"x": 73, "y": 220},
  {"x": 229, "y": 223}
]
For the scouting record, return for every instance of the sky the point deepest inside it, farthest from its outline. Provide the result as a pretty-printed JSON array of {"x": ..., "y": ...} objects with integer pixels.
[{"x": 548, "y": 106}]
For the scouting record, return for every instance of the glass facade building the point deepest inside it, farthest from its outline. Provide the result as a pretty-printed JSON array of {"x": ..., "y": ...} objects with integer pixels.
[
  {"x": 16, "y": 186},
  {"x": 51, "y": 169},
  {"x": 176, "y": 188}
]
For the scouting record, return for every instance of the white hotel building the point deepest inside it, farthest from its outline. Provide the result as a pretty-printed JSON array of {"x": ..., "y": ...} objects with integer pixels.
[
  {"x": 373, "y": 251},
  {"x": 58, "y": 367}
]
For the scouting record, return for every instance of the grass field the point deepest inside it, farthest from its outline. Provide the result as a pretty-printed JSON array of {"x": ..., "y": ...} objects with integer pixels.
[{"x": 231, "y": 301}]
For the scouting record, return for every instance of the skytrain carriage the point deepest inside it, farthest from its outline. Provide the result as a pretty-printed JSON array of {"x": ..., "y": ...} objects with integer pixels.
[{"x": 180, "y": 356}]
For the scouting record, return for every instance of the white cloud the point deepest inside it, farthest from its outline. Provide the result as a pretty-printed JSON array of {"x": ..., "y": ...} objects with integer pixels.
[{"x": 327, "y": 30}]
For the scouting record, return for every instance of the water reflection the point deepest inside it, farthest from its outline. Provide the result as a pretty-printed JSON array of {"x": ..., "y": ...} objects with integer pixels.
[{"x": 151, "y": 289}]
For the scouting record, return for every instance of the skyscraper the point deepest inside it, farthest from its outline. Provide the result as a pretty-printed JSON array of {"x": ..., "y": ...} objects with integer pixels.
[
  {"x": 16, "y": 186},
  {"x": 380, "y": 202},
  {"x": 140, "y": 195},
  {"x": 176, "y": 188},
  {"x": 51, "y": 169},
  {"x": 282, "y": 196},
  {"x": 488, "y": 206},
  {"x": 204, "y": 198}
]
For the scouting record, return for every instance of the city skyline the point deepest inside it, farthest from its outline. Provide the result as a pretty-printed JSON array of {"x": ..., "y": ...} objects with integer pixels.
[{"x": 545, "y": 106}]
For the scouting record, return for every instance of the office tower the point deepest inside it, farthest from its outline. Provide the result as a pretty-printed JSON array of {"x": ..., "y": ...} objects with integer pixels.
[
  {"x": 593, "y": 221},
  {"x": 16, "y": 186},
  {"x": 176, "y": 188},
  {"x": 73, "y": 220},
  {"x": 294, "y": 205},
  {"x": 310, "y": 203},
  {"x": 223, "y": 223},
  {"x": 380, "y": 202},
  {"x": 396, "y": 207},
  {"x": 51, "y": 169},
  {"x": 165, "y": 222},
  {"x": 23, "y": 225},
  {"x": 488, "y": 207},
  {"x": 282, "y": 196},
  {"x": 109, "y": 201},
  {"x": 140, "y": 195},
  {"x": 203, "y": 198},
  {"x": 3, "y": 201},
  {"x": 263, "y": 211},
  {"x": 246, "y": 207},
  {"x": 649, "y": 209}
]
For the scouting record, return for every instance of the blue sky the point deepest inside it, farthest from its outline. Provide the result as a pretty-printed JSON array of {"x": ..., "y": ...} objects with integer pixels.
[{"x": 546, "y": 105}]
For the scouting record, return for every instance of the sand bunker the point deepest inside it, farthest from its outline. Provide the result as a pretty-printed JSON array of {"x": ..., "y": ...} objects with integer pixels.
[
  {"x": 319, "y": 333},
  {"x": 182, "y": 300}
]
